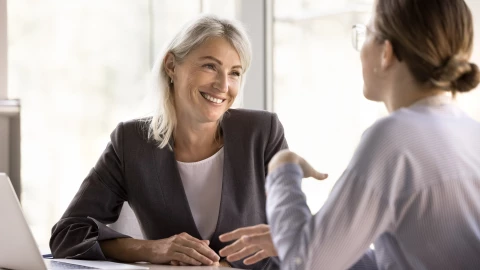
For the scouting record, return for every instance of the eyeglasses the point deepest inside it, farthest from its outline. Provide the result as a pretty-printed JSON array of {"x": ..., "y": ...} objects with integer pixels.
[{"x": 359, "y": 32}]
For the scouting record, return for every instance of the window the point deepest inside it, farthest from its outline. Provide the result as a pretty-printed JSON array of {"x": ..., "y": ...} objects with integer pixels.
[{"x": 317, "y": 84}]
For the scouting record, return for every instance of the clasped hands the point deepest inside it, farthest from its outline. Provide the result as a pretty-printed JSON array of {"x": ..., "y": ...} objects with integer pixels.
[{"x": 252, "y": 244}]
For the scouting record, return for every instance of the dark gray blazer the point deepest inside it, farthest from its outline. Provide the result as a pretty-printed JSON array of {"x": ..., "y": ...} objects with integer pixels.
[{"x": 132, "y": 168}]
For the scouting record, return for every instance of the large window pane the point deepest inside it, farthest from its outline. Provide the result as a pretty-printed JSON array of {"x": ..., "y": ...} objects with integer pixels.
[{"x": 318, "y": 84}]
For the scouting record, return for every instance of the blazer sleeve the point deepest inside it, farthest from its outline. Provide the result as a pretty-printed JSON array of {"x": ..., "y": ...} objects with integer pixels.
[
  {"x": 276, "y": 140},
  {"x": 98, "y": 202}
]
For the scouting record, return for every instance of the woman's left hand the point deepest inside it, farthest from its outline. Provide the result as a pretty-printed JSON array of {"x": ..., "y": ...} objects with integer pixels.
[
  {"x": 288, "y": 157},
  {"x": 254, "y": 242}
]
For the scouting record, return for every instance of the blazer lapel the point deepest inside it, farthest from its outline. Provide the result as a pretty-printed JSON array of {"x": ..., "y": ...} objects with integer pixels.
[
  {"x": 174, "y": 192},
  {"x": 227, "y": 201}
]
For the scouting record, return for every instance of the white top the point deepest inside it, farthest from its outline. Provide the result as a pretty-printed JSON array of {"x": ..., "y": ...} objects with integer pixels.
[
  {"x": 412, "y": 188},
  {"x": 202, "y": 182}
]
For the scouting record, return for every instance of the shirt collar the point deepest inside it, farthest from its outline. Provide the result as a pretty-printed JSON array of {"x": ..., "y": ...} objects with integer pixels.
[{"x": 433, "y": 101}]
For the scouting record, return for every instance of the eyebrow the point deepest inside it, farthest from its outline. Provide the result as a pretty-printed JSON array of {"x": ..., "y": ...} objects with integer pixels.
[{"x": 218, "y": 61}]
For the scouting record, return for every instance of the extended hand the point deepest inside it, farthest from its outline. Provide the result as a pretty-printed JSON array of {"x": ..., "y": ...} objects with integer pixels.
[
  {"x": 287, "y": 156},
  {"x": 253, "y": 242},
  {"x": 182, "y": 249}
]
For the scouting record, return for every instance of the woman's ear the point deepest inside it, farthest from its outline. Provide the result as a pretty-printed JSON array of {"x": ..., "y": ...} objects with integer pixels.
[
  {"x": 388, "y": 56},
  {"x": 169, "y": 64}
]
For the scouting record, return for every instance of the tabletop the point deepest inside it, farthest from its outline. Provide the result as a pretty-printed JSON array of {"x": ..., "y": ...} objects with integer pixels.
[{"x": 169, "y": 267}]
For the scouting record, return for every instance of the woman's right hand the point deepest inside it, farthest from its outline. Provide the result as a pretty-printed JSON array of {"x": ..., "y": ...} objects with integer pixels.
[{"x": 181, "y": 249}]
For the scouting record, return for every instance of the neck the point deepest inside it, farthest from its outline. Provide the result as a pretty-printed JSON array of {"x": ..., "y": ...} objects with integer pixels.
[
  {"x": 195, "y": 142},
  {"x": 405, "y": 91}
]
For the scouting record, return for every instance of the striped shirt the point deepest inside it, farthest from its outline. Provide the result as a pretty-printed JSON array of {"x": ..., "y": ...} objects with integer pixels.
[{"x": 412, "y": 188}]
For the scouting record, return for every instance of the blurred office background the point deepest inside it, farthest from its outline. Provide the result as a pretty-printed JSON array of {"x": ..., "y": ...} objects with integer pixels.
[{"x": 81, "y": 66}]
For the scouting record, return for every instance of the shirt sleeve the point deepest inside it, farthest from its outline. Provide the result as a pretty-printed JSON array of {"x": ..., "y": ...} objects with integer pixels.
[
  {"x": 98, "y": 202},
  {"x": 354, "y": 215}
]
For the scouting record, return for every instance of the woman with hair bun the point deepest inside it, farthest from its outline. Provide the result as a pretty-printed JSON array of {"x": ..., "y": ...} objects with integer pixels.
[{"x": 413, "y": 185}]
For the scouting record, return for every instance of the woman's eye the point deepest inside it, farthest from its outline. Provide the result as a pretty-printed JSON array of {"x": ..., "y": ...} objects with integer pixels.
[
  {"x": 236, "y": 73},
  {"x": 209, "y": 66}
]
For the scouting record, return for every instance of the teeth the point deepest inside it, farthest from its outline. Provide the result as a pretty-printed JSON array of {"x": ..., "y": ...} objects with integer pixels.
[{"x": 212, "y": 99}]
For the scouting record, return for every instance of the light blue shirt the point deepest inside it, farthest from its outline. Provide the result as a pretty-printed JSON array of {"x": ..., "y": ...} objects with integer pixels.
[{"x": 412, "y": 188}]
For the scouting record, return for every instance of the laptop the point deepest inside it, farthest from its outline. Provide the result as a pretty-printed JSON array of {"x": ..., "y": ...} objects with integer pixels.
[{"x": 18, "y": 249}]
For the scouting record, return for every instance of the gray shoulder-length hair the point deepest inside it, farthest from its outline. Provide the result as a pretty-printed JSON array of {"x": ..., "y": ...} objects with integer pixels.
[{"x": 164, "y": 120}]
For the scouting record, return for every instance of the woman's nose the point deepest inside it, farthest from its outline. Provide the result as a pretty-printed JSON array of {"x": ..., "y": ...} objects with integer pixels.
[{"x": 221, "y": 83}]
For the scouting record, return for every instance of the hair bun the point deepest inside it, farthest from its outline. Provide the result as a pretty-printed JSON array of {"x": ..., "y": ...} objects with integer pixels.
[
  {"x": 469, "y": 80},
  {"x": 457, "y": 75}
]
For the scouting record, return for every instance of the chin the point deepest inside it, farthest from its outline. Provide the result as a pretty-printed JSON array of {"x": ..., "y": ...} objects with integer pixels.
[
  {"x": 371, "y": 95},
  {"x": 212, "y": 117}
]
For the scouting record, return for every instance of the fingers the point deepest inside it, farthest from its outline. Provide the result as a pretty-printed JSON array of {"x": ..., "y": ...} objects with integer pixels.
[
  {"x": 320, "y": 176},
  {"x": 264, "y": 242},
  {"x": 309, "y": 171},
  {"x": 285, "y": 156},
  {"x": 198, "y": 251},
  {"x": 259, "y": 245},
  {"x": 234, "y": 235},
  {"x": 181, "y": 257},
  {"x": 243, "y": 253},
  {"x": 232, "y": 248},
  {"x": 191, "y": 238},
  {"x": 256, "y": 258},
  {"x": 261, "y": 239}
]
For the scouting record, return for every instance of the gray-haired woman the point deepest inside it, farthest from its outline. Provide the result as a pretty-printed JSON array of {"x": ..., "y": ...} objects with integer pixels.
[{"x": 198, "y": 173}]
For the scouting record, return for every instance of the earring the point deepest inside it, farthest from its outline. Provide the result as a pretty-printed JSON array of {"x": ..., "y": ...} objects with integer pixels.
[{"x": 171, "y": 80}]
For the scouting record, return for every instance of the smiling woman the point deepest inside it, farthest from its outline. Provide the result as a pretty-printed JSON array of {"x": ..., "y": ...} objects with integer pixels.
[
  {"x": 206, "y": 83},
  {"x": 193, "y": 50},
  {"x": 194, "y": 173}
]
